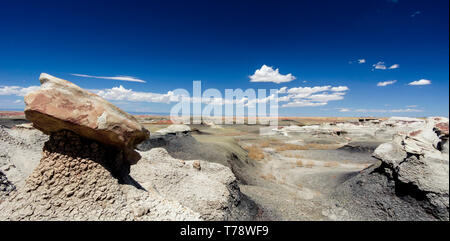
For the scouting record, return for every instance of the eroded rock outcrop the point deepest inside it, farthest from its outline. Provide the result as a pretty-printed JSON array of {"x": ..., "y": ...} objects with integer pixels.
[
  {"x": 84, "y": 170},
  {"x": 61, "y": 105},
  {"x": 76, "y": 180},
  {"x": 410, "y": 183},
  {"x": 207, "y": 188}
]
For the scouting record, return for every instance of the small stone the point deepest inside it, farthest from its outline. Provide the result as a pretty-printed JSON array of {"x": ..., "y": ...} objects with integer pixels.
[{"x": 196, "y": 165}]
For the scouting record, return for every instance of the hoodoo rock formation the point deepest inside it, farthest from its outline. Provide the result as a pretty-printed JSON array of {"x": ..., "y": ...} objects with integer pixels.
[
  {"x": 85, "y": 165},
  {"x": 61, "y": 105}
]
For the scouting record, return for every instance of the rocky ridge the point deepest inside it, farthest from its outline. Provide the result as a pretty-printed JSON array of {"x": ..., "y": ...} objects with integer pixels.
[{"x": 410, "y": 182}]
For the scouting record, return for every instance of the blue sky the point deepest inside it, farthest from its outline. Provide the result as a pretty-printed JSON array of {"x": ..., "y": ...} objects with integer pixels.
[{"x": 168, "y": 44}]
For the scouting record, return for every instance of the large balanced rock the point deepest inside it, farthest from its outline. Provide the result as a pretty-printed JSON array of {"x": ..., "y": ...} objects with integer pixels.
[
  {"x": 61, "y": 105},
  {"x": 410, "y": 183}
]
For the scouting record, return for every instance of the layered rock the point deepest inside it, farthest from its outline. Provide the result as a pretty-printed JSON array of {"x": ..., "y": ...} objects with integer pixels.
[
  {"x": 410, "y": 183},
  {"x": 76, "y": 180},
  {"x": 61, "y": 105}
]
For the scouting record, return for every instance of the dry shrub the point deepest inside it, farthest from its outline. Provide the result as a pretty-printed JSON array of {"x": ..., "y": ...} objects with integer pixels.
[
  {"x": 299, "y": 185},
  {"x": 288, "y": 147},
  {"x": 309, "y": 164},
  {"x": 331, "y": 164},
  {"x": 254, "y": 152},
  {"x": 299, "y": 163},
  {"x": 310, "y": 146}
]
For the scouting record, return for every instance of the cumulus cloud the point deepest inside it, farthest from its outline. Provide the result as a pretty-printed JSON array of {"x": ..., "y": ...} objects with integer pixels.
[
  {"x": 379, "y": 65},
  {"x": 121, "y": 93},
  {"x": 339, "y": 88},
  {"x": 313, "y": 96},
  {"x": 382, "y": 66},
  {"x": 394, "y": 66},
  {"x": 294, "y": 97},
  {"x": 420, "y": 82},
  {"x": 302, "y": 103},
  {"x": 361, "y": 61},
  {"x": 121, "y": 78},
  {"x": 325, "y": 97},
  {"x": 17, "y": 90},
  {"x": 308, "y": 90},
  {"x": 268, "y": 74},
  {"x": 282, "y": 90},
  {"x": 385, "y": 83}
]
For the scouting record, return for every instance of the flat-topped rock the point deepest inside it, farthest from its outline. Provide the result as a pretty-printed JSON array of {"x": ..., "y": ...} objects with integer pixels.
[{"x": 61, "y": 105}]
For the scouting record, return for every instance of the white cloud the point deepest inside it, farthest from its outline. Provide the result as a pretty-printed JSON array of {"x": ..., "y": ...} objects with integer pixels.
[
  {"x": 17, "y": 101},
  {"x": 121, "y": 78},
  {"x": 344, "y": 110},
  {"x": 302, "y": 103},
  {"x": 389, "y": 111},
  {"x": 282, "y": 90},
  {"x": 326, "y": 97},
  {"x": 412, "y": 106},
  {"x": 361, "y": 61},
  {"x": 379, "y": 65},
  {"x": 120, "y": 93},
  {"x": 313, "y": 96},
  {"x": 405, "y": 110},
  {"x": 384, "y": 83},
  {"x": 339, "y": 88},
  {"x": 268, "y": 74},
  {"x": 394, "y": 66},
  {"x": 284, "y": 98},
  {"x": 420, "y": 82},
  {"x": 17, "y": 90},
  {"x": 382, "y": 66},
  {"x": 308, "y": 90}
]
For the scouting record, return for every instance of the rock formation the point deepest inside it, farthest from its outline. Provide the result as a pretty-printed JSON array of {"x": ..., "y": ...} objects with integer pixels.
[
  {"x": 410, "y": 183},
  {"x": 207, "y": 188},
  {"x": 61, "y": 105},
  {"x": 84, "y": 170}
]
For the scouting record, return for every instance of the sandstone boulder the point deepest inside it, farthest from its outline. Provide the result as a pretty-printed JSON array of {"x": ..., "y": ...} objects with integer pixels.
[{"x": 61, "y": 105}]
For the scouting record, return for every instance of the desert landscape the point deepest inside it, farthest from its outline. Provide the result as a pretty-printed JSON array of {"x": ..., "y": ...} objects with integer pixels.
[{"x": 71, "y": 155}]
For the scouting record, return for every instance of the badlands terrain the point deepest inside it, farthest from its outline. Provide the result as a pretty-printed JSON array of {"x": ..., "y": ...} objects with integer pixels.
[{"x": 78, "y": 157}]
